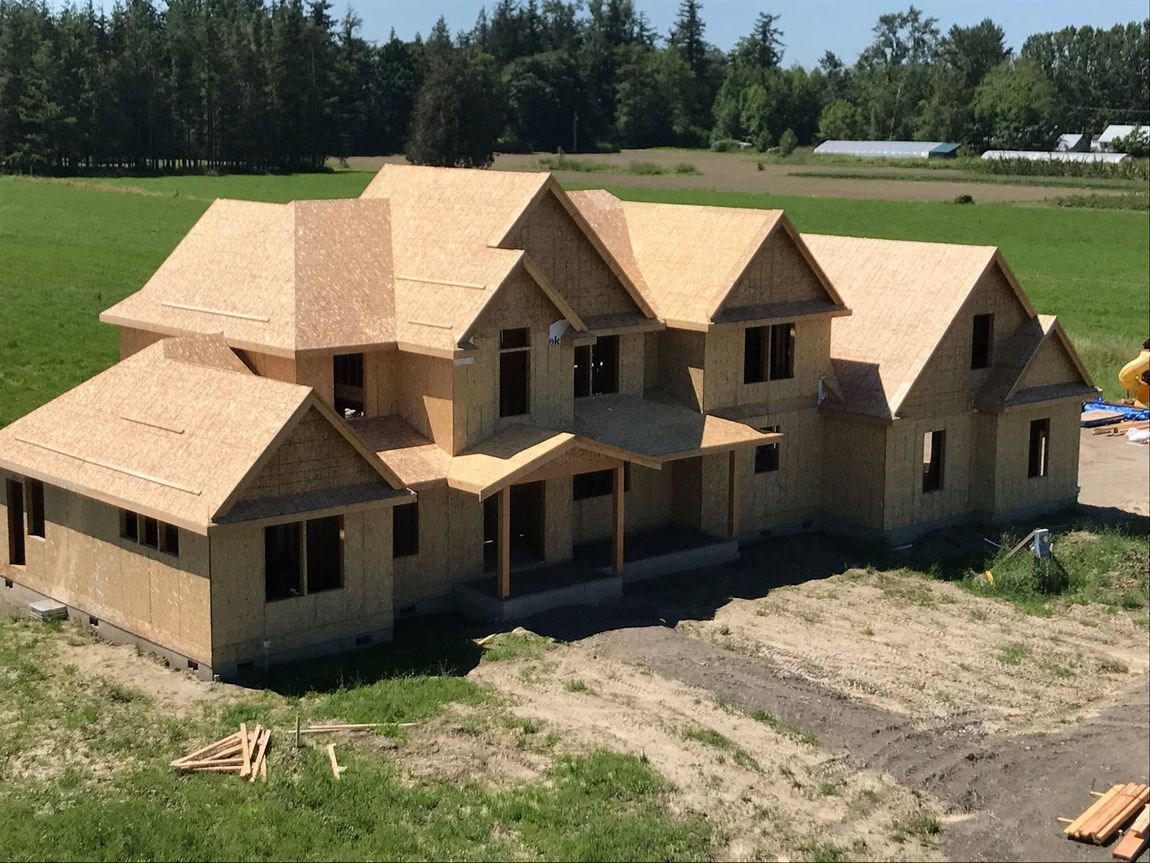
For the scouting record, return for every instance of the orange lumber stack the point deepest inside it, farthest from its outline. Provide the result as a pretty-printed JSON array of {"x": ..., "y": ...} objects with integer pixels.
[
  {"x": 243, "y": 753},
  {"x": 1134, "y": 840},
  {"x": 1108, "y": 813}
]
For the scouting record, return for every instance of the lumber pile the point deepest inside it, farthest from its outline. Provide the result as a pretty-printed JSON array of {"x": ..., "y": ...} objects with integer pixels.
[
  {"x": 1100, "y": 417},
  {"x": 1135, "y": 839},
  {"x": 1122, "y": 427},
  {"x": 1106, "y": 815},
  {"x": 244, "y": 753}
]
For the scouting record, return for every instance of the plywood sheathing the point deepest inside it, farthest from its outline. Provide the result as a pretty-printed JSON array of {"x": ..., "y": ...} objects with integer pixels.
[
  {"x": 166, "y": 437},
  {"x": 904, "y": 296},
  {"x": 1040, "y": 360},
  {"x": 659, "y": 244},
  {"x": 279, "y": 278},
  {"x": 416, "y": 460},
  {"x": 658, "y": 431}
]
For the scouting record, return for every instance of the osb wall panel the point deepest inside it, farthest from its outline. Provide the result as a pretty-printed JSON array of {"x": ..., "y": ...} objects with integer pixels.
[
  {"x": 1014, "y": 489},
  {"x": 422, "y": 396},
  {"x": 651, "y": 345},
  {"x": 450, "y": 546},
  {"x": 133, "y": 341},
  {"x": 1050, "y": 365},
  {"x": 632, "y": 363},
  {"x": 906, "y": 502},
  {"x": 983, "y": 463},
  {"x": 314, "y": 456},
  {"x": 714, "y": 503},
  {"x": 681, "y": 355},
  {"x": 81, "y": 561},
  {"x": 948, "y": 383},
  {"x": 269, "y": 366},
  {"x": 793, "y": 493},
  {"x": 854, "y": 459},
  {"x": 570, "y": 261},
  {"x": 551, "y": 388},
  {"x": 725, "y": 348},
  {"x": 557, "y": 517},
  {"x": 687, "y": 493},
  {"x": 316, "y": 372},
  {"x": 379, "y": 383},
  {"x": 242, "y": 618},
  {"x": 645, "y": 507},
  {"x": 778, "y": 273}
]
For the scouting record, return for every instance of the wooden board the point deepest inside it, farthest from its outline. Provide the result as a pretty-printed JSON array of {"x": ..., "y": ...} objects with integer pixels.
[{"x": 1100, "y": 418}]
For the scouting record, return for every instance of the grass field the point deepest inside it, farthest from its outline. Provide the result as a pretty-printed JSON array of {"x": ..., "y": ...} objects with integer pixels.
[{"x": 69, "y": 249}]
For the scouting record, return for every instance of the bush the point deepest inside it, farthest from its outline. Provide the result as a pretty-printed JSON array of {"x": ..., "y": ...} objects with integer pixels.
[
  {"x": 787, "y": 142},
  {"x": 764, "y": 141},
  {"x": 964, "y": 199},
  {"x": 686, "y": 168}
]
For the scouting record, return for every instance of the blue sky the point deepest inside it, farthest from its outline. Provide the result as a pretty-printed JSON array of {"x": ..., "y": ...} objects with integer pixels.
[{"x": 809, "y": 26}]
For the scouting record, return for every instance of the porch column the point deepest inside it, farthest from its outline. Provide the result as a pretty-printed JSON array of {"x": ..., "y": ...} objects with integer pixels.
[
  {"x": 504, "y": 542},
  {"x": 732, "y": 496},
  {"x": 617, "y": 512}
]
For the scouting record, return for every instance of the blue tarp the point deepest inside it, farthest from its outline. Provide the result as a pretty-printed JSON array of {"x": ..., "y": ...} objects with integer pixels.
[{"x": 1128, "y": 412}]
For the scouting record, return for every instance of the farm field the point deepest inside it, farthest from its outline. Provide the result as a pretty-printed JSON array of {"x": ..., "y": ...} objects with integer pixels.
[
  {"x": 697, "y": 718},
  {"x": 69, "y": 249}
]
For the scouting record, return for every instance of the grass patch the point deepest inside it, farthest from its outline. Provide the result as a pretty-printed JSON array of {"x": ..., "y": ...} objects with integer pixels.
[
  {"x": 955, "y": 175},
  {"x": 1130, "y": 201},
  {"x": 576, "y": 686},
  {"x": 784, "y": 728},
  {"x": 104, "y": 790},
  {"x": 826, "y": 852},
  {"x": 924, "y": 828},
  {"x": 1106, "y": 565},
  {"x": 712, "y": 738},
  {"x": 639, "y": 168},
  {"x": 507, "y": 646},
  {"x": 1014, "y": 653}
]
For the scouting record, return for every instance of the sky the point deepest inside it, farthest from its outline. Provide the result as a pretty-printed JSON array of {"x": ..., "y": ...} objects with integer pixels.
[{"x": 810, "y": 27}]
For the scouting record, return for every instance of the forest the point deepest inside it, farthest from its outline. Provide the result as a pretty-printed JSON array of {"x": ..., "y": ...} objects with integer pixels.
[{"x": 285, "y": 85}]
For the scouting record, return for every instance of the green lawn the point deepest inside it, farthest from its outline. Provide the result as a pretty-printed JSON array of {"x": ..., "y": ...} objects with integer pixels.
[{"x": 69, "y": 249}]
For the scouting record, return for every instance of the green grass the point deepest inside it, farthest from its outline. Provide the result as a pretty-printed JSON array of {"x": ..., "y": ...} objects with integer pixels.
[
  {"x": 1014, "y": 653},
  {"x": 108, "y": 793},
  {"x": 71, "y": 248},
  {"x": 956, "y": 175},
  {"x": 712, "y": 738},
  {"x": 1106, "y": 565},
  {"x": 516, "y": 645},
  {"x": 584, "y": 166},
  {"x": 925, "y": 828}
]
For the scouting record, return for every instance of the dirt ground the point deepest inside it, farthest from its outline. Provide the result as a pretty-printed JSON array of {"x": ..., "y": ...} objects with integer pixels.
[
  {"x": 1114, "y": 475},
  {"x": 733, "y": 172}
]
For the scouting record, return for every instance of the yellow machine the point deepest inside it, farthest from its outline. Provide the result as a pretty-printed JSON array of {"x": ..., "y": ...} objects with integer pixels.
[{"x": 1135, "y": 376}]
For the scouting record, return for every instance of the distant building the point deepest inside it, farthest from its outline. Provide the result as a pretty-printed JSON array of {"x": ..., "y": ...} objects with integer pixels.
[
  {"x": 1073, "y": 142},
  {"x": 1055, "y": 156},
  {"x": 1105, "y": 141},
  {"x": 888, "y": 149}
]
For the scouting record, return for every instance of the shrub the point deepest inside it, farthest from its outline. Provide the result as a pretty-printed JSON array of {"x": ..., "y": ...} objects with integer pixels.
[
  {"x": 787, "y": 142},
  {"x": 964, "y": 199},
  {"x": 686, "y": 168}
]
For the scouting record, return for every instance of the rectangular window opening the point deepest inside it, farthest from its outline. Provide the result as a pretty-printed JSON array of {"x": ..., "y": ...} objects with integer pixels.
[
  {"x": 347, "y": 371},
  {"x": 324, "y": 554},
  {"x": 170, "y": 539},
  {"x": 150, "y": 532},
  {"x": 933, "y": 457},
  {"x": 769, "y": 353},
  {"x": 755, "y": 341},
  {"x": 597, "y": 368},
  {"x": 35, "y": 508},
  {"x": 782, "y": 359},
  {"x": 129, "y": 525},
  {"x": 767, "y": 455},
  {"x": 981, "y": 340},
  {"x": 514, "y": 372},
  {"x": 282, "y": 561},
  {"x": 15, "y": 502},
  {"x": 405, "y": 530},
  {"x": 1039, "y": 460}
]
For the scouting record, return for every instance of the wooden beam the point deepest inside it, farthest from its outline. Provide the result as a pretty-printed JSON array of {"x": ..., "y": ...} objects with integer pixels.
[
  {"x": 617, "y": 493},
  {"x": 732, "y": 495},
  {"x": 504, "y": 542}
]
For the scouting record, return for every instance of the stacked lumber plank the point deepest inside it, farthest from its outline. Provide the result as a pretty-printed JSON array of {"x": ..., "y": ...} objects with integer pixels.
[
  {"x": 1108, "y": 813},
  {"x": 1122, "y": 427},
  {"x": 1135, "y": 839},
  {"x": 243, "y": 753}
]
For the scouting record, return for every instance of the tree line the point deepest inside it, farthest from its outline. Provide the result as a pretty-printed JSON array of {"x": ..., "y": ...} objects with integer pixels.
[{"x": 283, "y": 85}]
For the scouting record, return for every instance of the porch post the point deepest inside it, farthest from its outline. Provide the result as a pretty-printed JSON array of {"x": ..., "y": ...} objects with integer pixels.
[
  {"x": 505, "y": 542},
  {"x": 617, "y": 512},
  {"x": 732, "y": 496}
]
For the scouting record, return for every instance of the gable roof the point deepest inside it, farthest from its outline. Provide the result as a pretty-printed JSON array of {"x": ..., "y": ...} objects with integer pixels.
[
  {"x": 659, "y": 245},
  {"x": 904, "y": 296},
  {"x": 173, "y": 432},
  {"x": 1036, "y": 336},
  {"x": 279, "y": 278}
]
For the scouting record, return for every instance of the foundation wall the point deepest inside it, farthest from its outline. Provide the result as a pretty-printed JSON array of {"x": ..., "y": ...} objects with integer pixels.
[{"x": 82, "y": 562}]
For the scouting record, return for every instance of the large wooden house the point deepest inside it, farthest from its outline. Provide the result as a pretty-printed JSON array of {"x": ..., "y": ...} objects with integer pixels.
[{"x": 472, "y": 389}]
